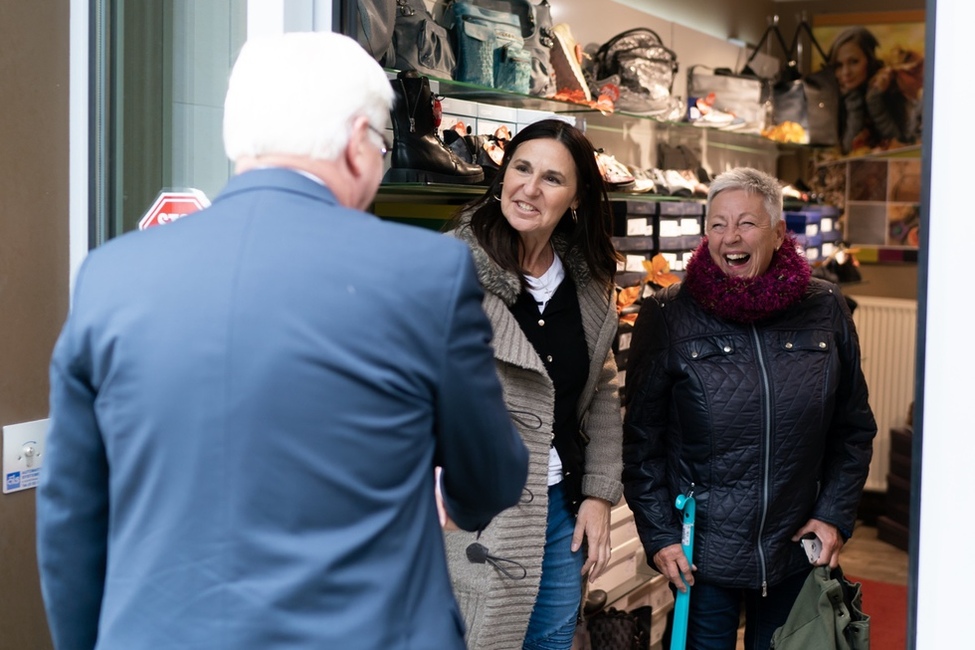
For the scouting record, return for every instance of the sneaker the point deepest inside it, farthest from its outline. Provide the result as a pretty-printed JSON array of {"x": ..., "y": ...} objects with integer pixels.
[
  {"x": 677, "y": 185},
  {"x": 615, "y": 173},
  {"x": 566, "y": 59},
  {"x": 643, "y": 181}
]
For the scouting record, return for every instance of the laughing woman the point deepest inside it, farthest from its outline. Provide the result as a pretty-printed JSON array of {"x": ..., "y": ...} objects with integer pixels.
[
  {"x": 541, "y": 245},
  {"x": 744, "y": 386}
]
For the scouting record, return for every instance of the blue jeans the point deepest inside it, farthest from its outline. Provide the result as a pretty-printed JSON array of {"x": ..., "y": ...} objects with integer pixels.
[
  {"x": 553, "y": 620},
  {"x": 714, "y": 614}
]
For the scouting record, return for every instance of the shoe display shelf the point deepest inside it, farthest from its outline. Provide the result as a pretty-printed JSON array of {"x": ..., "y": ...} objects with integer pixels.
[{"x": 632, "y": 139}]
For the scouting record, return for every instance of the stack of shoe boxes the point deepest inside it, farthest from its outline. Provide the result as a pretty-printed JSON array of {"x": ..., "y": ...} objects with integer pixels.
[
  {"x": 680, "y": 225},
  {"x": 634, "y": 236},
  {"x": 828, "y": 229},
  {"x": 807, "y": 225}
]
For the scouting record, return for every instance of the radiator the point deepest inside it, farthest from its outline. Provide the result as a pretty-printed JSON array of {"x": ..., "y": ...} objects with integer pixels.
[{"x": 888, "y": 330}]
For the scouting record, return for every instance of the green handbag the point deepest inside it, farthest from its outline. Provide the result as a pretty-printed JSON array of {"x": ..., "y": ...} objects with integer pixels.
[{"x": 827, "y": 615}]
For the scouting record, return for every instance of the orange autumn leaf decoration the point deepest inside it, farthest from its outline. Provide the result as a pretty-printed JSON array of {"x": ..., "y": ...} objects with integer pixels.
[
  {"x": 627, "y": 297},
  {"x": 658, "y": 272}
]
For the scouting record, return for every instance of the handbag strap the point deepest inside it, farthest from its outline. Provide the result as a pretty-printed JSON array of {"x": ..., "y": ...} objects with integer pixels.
[
  {"x": 794, "y": 48},
  {"x": 771, "y": 30}
]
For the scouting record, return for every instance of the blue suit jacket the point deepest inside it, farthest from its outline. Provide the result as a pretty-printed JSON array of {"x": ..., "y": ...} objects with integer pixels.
[{"x": 246, "y": 409}]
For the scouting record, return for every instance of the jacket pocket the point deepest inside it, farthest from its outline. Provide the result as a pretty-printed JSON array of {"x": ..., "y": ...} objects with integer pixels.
[
  {"x": 804, "y": 341},
  {"x": 708, "y": 347}
]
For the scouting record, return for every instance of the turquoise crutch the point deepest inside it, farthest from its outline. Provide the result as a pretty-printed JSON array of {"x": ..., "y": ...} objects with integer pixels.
[{"x": 678, "y": 636}]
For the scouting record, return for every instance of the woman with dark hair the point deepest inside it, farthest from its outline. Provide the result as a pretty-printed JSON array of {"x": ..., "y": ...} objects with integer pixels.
[
  {"x": 541, "y": 244},
  {"x": 880, "y": 102}
]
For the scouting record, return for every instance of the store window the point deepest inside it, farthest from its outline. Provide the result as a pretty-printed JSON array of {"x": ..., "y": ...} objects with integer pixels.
[{"x": 158, "y": 79}]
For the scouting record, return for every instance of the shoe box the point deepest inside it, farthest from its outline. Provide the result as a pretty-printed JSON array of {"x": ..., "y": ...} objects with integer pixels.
[
  {"x": 641, "y": 229},
  {"x": 815, "y": 231},
  {"x": 679, "y": 231}
]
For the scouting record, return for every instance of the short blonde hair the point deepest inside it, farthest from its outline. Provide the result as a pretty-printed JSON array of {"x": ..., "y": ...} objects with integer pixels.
[{"x": 297, "y": 93}]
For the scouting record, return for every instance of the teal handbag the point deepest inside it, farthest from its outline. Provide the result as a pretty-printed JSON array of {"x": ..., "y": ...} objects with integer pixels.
[
  {"x": 490, "y": 47},
  {"x": 827, "y": 615}
]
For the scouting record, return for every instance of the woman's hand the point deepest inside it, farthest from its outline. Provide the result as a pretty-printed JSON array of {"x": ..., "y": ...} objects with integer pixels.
[
  {"x": 592, "y": 522},
  {"x": 673, "y": 564},
  {"x": 829, "y": 535}
]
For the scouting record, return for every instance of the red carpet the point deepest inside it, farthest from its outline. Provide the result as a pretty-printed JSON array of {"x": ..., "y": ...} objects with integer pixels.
[{"x": 886, "y": 604}]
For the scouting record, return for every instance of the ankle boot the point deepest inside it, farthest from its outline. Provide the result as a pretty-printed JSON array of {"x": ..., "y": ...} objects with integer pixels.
[{"x": 419, "y": 155}]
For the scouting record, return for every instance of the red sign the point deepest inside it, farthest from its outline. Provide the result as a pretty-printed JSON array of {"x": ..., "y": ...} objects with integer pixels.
[{"x": 172, "y": 205}]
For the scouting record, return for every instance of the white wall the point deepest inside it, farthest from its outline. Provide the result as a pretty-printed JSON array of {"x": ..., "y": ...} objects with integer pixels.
[{"x": 946, "y": 564}]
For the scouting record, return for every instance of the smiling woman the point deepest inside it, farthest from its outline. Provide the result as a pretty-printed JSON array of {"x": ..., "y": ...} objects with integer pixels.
[
  {"x": 743, "y": 230},
  {"x": 744, "y": 386},
  {"x": 541, "y": 244}
]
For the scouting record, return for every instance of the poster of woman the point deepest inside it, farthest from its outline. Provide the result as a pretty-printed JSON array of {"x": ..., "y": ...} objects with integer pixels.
[{"x": 878, "y": 60}]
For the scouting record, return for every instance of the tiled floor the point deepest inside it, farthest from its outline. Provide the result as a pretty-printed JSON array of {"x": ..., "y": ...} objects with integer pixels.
[{"x": 865, "y": 556}]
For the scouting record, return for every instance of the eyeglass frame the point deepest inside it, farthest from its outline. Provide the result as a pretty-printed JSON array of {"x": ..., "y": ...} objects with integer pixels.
[{"x": 386, "y": 146}]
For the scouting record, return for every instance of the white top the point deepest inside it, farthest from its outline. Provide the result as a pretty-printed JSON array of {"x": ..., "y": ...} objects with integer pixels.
[{"x": 541, "y": 290}]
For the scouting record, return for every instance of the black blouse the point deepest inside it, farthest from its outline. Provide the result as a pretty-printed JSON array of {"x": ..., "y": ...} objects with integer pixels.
[{"x": 560, "y": 340}]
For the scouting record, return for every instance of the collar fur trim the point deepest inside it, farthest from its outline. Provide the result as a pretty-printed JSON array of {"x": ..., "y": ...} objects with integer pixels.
[{"x": 507, "y": 285}]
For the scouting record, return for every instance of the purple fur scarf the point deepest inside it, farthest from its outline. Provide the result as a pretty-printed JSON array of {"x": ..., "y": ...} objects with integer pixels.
[{"x": 747, "y": 300}]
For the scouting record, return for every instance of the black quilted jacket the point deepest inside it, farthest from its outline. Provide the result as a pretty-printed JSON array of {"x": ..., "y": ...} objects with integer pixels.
[{"x": 769, "y": 422}]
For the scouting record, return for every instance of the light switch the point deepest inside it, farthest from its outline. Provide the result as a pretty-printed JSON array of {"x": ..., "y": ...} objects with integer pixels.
[{"x": 23, "y": 453}]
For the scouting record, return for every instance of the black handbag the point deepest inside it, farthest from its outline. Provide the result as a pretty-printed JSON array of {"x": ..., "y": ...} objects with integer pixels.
[
  {"x": 810, "y": 100},
  {"x": 613, "y": 629},
  {"x": 420, "y": 43},
  {"x": 374, "y": 22}
]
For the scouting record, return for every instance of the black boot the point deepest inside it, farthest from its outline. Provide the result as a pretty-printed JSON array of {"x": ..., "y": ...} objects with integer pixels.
[{"x": 419, "y": 155}]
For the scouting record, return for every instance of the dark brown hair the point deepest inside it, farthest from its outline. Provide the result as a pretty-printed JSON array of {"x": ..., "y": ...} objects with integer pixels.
[{"x": 590, "y": 235}]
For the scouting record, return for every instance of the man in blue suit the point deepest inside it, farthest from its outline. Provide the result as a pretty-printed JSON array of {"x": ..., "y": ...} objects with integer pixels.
[{"x": 247, "y": 405}]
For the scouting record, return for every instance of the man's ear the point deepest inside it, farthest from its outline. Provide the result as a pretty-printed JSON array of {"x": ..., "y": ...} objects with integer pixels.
[{"x": 356, "y": 149}]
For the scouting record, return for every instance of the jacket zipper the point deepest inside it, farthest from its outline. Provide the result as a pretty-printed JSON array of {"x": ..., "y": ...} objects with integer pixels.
[{"x": 767, "y": 435}]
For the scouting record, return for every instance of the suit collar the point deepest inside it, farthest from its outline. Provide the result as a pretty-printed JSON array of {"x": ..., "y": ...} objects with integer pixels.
[{"x": 278, "y": 178}]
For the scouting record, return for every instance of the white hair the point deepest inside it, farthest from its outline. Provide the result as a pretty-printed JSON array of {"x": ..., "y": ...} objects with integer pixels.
[
  {"x": 752, "y": 181},
  {"x": 298, "y": 93}
]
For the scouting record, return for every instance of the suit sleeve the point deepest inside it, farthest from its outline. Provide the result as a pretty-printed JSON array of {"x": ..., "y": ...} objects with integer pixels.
[
  {"x": 647, "y": 447},
  {"x": 72, "y": 503},
  {"x": 849, "y": 443},
  {"x": 485, "y": 463}
]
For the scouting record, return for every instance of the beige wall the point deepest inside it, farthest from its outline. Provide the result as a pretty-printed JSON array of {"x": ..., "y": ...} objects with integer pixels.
[{"x": 33, "y": 271}]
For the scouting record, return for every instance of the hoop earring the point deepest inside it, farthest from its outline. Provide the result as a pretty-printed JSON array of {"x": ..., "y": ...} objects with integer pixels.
[
  {"x": 575, "y": 217},
  {"x": 497, "y": 197}
]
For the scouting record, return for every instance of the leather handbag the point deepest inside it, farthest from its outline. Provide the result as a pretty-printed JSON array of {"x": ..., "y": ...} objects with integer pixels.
[
  {"x": 489, "y": 43},
  {"x": 374, "y": 20},
  {"x": 536, "y": 30},
  {"x": 741, "y": 95},
  {"x": 827, "y": 615},
  {"x": 420, "y": 43},
  {"x": 810, "y": 100}
]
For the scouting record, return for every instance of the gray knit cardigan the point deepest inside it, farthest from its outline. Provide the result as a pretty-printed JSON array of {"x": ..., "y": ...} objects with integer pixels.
[{"x": 496, "y": 608}]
